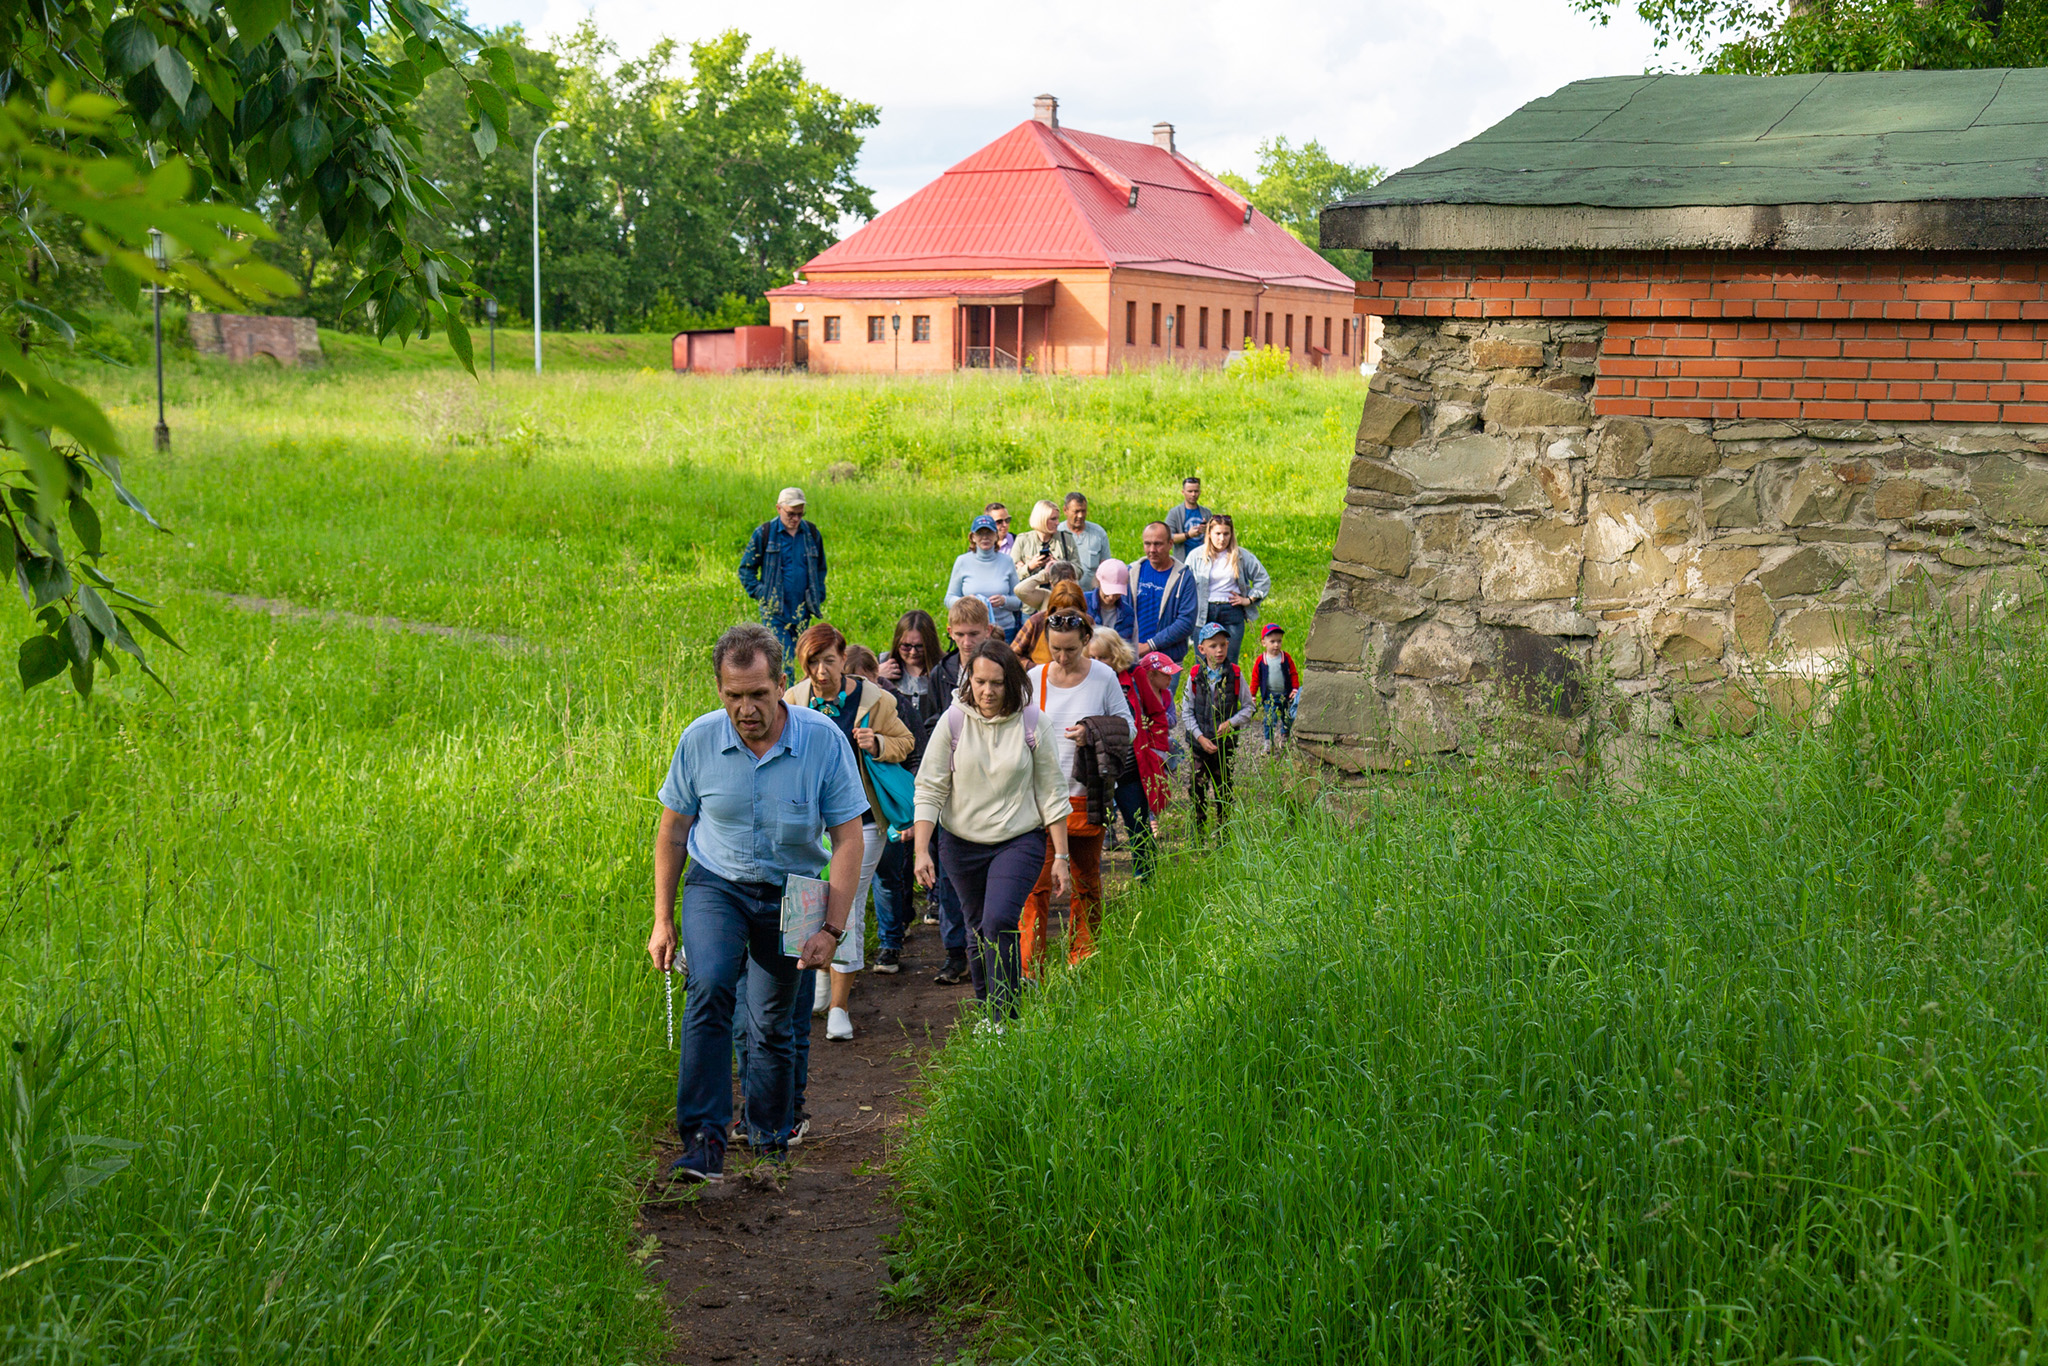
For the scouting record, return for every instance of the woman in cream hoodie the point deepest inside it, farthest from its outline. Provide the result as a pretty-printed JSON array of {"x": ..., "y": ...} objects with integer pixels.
[{"x": 994, "y": 782}]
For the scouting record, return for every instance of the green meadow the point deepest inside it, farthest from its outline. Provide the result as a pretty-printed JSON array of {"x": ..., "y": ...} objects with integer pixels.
[
  {"x": 1744, "y": 1064},
  {"x": 353, "y": 920}
]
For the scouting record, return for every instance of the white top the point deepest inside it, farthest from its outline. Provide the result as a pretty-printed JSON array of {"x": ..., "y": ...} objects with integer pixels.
[
  {"x": 1099, "y": 694},
  {"x": 998, "y": 787},
  {"x": 1222, "y": 578}
]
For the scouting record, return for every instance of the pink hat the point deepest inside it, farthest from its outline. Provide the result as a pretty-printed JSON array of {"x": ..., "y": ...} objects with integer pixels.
[
  {"x": 1114, "y": 577},
  {"x": 1159, "y": 663}
]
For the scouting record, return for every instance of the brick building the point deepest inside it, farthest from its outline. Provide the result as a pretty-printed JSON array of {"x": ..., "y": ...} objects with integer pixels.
[
  {"x": 1067, "y": 252},
  {"x": 1689, "y": 382}
]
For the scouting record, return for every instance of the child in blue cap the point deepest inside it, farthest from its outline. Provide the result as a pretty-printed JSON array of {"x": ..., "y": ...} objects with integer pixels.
[{"x": 1218, "y": 707}]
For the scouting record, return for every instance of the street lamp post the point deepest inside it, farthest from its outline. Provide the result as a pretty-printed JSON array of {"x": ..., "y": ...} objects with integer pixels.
[
  {"x": 551, "y": 128},
  {"x": 896, "y": 331},
  {"x": 156, "y": 290}
]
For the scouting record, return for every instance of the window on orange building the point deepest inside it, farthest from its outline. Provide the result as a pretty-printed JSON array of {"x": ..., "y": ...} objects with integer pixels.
[
  {"x": 1326, "y": 336},
  {"x": 1131, "y": 323},
  {"x": 921, "y": 327},
  {"x": 1155, "y": 322},
  {"x": 831, "y": 329},
  {"x": 878, "y": 327},
  {"x": 1202, "y": 334},
  {"x": 1180, "y": 325},
  {"x": 1345, "y": 333},
  {"x": 1249, "y": 335},
  {"x": 1269, "y": 329},
  {"x": 1288, "y": 330}
]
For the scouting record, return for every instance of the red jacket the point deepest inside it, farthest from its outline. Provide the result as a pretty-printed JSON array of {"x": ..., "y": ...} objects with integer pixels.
[{"x": 1258, "y": 673}]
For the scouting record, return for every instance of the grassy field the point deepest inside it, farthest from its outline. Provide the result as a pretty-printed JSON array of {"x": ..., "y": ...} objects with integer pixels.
[
  {"x": 358, "y": 915},
  {"x": 1748, "y": 1068}
]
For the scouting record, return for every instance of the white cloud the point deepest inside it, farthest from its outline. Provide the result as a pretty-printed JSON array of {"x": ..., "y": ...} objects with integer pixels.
[{"x": 1387, "y": 82}]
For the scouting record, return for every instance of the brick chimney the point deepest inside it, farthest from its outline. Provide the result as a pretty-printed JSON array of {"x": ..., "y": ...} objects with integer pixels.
[
  {"x": 1046, "y": 110},
  {"x": 1162, "y": 136}
]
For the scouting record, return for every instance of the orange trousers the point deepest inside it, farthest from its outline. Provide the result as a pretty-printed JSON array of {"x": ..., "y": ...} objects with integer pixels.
[{"x": 1084, "y": 906}]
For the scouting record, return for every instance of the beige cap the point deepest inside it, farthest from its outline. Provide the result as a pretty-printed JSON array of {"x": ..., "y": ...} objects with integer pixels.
[{"x": 790, "y": 498}]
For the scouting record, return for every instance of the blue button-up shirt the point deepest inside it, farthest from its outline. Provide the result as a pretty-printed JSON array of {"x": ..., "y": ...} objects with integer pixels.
[
  {"x": 796, "y": 575},
  {"x": 761, "y": 820}
]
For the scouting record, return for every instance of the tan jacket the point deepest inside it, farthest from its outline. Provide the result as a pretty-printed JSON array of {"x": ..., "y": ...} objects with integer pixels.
[
  {"x": 877, "y": 711},
  {"x": 998, "y": 787}
]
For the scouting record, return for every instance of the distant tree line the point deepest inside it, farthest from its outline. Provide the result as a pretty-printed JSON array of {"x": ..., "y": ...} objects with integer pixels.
[{"x": 679, "y": 191}]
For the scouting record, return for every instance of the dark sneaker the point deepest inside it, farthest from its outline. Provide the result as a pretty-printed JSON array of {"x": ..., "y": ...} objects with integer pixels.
[
  {"x": 702, "y": 1160},
  {"x": 955, "y": 971},
  {"x": 889, "y": 960}
]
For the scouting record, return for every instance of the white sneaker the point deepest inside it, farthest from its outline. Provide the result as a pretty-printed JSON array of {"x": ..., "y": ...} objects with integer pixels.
[
  {"x": 821, "y": 999},
  {"x": 839, "y": 1025}
]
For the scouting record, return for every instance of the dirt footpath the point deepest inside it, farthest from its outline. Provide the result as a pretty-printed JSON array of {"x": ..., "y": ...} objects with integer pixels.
[{"x": 757, "y": 1274}]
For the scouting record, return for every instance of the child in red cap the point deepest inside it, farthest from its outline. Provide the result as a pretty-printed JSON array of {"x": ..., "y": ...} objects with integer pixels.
[{"x": 1278, "y": 685}]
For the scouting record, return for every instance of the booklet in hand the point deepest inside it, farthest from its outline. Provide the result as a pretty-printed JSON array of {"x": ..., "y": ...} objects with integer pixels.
[{"x": 804, "y": 900}]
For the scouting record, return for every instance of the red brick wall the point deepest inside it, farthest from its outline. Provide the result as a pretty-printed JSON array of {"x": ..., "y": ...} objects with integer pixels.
[{"x": 1887, "y": 336}]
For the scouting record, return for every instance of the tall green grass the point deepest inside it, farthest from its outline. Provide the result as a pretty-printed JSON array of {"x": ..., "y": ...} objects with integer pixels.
[
  {"x": 359, "y": 915},
  {"x": 1749, "y": 1067}
]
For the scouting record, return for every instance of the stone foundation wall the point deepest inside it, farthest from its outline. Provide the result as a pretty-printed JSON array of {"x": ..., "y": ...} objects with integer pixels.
[
  {"x": 244, "y": 336},
  {"x": 1506, "y": 552}
]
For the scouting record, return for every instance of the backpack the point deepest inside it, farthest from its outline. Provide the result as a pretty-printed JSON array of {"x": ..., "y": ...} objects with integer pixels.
[{"x": 956, "y": 721}]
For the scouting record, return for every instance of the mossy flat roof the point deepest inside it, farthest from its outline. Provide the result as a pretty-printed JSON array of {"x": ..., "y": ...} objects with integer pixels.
[{"x": 1638, "y": 142}]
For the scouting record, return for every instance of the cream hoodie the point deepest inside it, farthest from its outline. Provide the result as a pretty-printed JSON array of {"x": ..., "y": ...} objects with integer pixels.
[{"x": 998, "y": 787}]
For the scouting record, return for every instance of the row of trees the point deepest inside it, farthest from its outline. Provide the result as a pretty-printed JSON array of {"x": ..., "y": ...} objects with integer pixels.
[{"x": 687, "y": 181}]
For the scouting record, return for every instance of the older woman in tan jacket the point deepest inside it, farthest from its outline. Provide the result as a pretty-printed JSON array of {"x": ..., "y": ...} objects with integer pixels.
[{"x": 866, "y": 715}]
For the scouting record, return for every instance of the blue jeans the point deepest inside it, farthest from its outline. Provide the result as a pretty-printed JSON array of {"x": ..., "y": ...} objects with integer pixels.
[
  {"x": 732, "y": 934},
  {"x": 1277, "y": 713},
  {"x": 944, "y": 899},
  {"x": 1137, "y": 814},
  {"x": 893, "y": 896},
  {"x": 786, "y": 630},
  {"x": 799, "y": 1048}
]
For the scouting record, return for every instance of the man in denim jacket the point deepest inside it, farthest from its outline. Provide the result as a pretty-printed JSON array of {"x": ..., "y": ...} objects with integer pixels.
[{"x": 783, "y": 569}]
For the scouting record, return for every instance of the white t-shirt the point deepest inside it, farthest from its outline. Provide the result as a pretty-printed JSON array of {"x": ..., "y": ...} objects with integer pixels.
[
  {"x": 1099, "y": 694},
  {"x": 1222, "y": 578}
]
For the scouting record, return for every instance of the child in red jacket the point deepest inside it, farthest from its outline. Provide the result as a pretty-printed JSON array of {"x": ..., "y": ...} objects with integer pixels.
[{"x": 1277, "y": 684}]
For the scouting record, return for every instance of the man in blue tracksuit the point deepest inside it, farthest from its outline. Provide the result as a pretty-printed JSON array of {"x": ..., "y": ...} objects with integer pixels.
[
  {"x": 783, "y": 569},
  {"x": 1162, "y": 598}
]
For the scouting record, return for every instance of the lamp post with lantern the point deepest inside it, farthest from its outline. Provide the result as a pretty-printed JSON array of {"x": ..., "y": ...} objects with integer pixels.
[{"x": 896, "y": 335}]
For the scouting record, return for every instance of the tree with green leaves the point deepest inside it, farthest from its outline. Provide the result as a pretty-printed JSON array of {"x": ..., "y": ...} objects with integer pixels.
[
  {"x": 1295, "y": 184},
  {"x": 1780, "y": 37},
  {"x": 152, "y": 132},
  {"x": 686, "y": 175}
]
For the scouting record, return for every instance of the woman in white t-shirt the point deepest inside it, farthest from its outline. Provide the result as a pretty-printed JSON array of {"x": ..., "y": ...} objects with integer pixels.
[
  {"x": 1230, "y": 583},
  {"x": 1069, "y": 690}
]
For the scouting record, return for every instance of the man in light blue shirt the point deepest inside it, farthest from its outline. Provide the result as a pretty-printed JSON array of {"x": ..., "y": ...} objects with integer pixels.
[{"x": 752, "y": 789}]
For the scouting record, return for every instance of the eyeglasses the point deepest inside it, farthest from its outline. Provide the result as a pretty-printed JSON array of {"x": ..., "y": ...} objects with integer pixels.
[
  {"x": 1067, "y": 621},
  {"x": 909, "y": 645},
  {"x": 1002, "y": 521}
]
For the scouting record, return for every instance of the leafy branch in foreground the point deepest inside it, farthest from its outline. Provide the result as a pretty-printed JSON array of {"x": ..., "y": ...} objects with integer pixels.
[
  {"x": 57, "y": 448},
  {"x": 236, "y": 105}
]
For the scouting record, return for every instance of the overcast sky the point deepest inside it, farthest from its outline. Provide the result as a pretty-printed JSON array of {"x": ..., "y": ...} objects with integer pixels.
[{"x": 1378, "y": 82}]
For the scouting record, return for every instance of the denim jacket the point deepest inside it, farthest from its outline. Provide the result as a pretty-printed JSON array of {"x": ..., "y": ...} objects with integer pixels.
[{"x": 761, "y": 569}]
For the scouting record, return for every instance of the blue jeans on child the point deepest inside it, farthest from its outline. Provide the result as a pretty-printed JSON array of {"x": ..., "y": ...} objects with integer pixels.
[
  {"x": 732, "y": 938},
  {"x": 1277, "y": 713},
  {"x": 893, "y": 892}
]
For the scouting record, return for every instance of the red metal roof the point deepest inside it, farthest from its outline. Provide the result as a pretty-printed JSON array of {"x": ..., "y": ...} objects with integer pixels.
[
  {"x": 926, "y": 287},
  {"x": 1031, "y": 200}
]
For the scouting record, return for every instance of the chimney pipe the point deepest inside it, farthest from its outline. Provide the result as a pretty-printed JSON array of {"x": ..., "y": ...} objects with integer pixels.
[
  {"x": 1162, "y": 136},
  {"x": 1046, "y": 110}
]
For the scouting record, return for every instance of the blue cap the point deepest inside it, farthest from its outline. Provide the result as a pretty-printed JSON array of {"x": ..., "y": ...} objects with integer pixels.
[
  {"x": 981, "y": 523},
  {"x": 1215, "y": 628}
]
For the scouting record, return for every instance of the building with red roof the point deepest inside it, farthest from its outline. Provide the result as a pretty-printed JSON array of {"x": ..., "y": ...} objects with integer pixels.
[{"x": 1067, "y": 252}]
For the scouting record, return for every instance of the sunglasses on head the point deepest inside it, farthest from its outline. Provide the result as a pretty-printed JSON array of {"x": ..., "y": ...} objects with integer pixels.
[{"x": 1066, "y": 621}]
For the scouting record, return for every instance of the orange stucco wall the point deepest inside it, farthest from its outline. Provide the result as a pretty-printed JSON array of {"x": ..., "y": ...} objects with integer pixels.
[{"x": 1084, "y": 330}]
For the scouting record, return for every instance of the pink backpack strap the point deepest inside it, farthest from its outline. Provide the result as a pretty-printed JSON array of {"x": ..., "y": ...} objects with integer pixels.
[{"x": 956, "y": 720}]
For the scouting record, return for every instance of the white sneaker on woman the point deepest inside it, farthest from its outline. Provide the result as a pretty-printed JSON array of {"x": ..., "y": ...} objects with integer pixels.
[{"x": 839, "y": 1025}]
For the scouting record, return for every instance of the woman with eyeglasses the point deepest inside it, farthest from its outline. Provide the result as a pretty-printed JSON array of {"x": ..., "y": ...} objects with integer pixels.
[
  {"x": 1230, "y": 583},
  {"x": 1083, "y": 704},
  {"x": 991, "y": 777},
  {"x": 906, "y": 672},
  {"x": 986, "y": 573}
]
